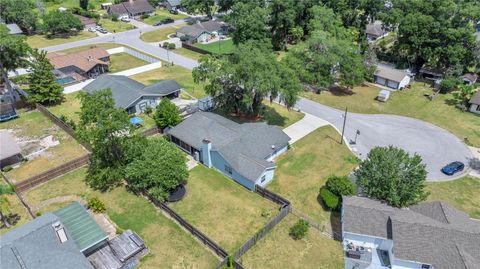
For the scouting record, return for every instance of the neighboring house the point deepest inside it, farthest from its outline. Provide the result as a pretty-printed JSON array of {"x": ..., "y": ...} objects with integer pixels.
[
  {"x": 64, "y": 239},
  {"x": 173, "y": 4},
  {"x": 391, "y": 78},
  {"x": 435, "y": 75},
  {"x": 475, "y": 103},
  {"x": 132, "y": 8},
  {"x": 202, "y": 31},
  {"x": 10, "y": 95},
  {"x": 469, "y": 78},
  {"x": 133, "y": 96},
  {"x": 244, "y": 152},
  {"x": 78, "y": 66},
  {"x": 14, "y": 29},
  {"x": 87, "y": 22},
  {"x": 375, "y": 31},
  {"x": 428, "y": 235},
  {"x": 10, "y": 152}
]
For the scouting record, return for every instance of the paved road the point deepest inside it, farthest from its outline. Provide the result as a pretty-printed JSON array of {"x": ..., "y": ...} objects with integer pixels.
[
  {"x": 132, "y": 38},
  {"x": 436, "y": 146}
]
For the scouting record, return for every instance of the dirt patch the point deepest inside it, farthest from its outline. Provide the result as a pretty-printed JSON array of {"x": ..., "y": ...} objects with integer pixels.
[{"x": 340, "y": 91}]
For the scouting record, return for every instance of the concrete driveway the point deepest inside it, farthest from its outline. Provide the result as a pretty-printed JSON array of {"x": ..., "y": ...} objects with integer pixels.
[
  {"x": 303, "y": 127},
  {"x": 436, "y": 146}
]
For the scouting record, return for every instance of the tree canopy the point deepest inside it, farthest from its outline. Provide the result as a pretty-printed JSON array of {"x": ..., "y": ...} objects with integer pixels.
[
  {"x": 14, "y": 52},
  {"x": 158, "y": 170},
  {"x": 392, "y": 175},
  {"x": 43, "y": 88},
  {"x": 56, "y": 22},
  {"x": 250, "y": 23},
  {"x": 20, "y": 12},
  {"x": 167, "y": 114},
  {"x": 206, "y": 7}
]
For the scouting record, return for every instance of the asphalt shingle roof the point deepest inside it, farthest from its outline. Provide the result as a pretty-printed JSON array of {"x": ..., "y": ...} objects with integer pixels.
[
  {"x": 390, "y": 74},
  {"x": 244, "y": 146},
  {"x": 198, "y": 28},
  {"x": 8, "y": 145},
  {"x": 375, "y": 29},
  {"x": 433, "y": 233},
  {"x": 476, "y": 98}
]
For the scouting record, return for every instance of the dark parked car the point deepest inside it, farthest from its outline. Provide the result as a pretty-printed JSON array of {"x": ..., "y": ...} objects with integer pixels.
[
  {"x": 174, "y": 11},
  {"x": 158, "y": 23},
  {"x": 167, "y": 20},
  {"x": 453, "y": 168}
]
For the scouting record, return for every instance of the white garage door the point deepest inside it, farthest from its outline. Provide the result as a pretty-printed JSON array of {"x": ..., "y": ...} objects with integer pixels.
[
  {"x": 380, "y": 81},
  {"x": 392, "y": 84}
]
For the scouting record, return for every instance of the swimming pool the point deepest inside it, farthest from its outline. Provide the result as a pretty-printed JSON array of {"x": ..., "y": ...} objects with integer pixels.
[{"x": 65, "y": 80}]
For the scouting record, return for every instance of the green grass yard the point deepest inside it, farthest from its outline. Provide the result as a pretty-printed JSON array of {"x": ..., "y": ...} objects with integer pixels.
[
  {"x": 70, "y": 107},
  {"x": 160, "y": 34},
  {"x": 161, "y": 14},
  {"x": 115, "y": 26},
  {"x": 410, "y": 103},
  {"x": 278, "y": 250},
  {"x": 188, "y": 53},
  {"x": 219, "y": 47},
  {"x": 17, "y": 210},
  {"x": 100, "y": 45},
  {"x": 303, "y": 169},
  {"x": 33, "y": 126},
  {"x": 41, "y": 41},
  {"x": 181, "y": 75},
  {"x": 124, "y": 61},
  {"x": 223, "y": 209},
  {"x": 170, "y": 246}
]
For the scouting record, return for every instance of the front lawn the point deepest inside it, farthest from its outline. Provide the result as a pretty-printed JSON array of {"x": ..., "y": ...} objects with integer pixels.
[
  {"x": 115, "y": 26},
  {"x": 124, "y": 61},
  {"x": 170, "y": 246},
  {"x": 161, "y": 14},
  {"x": 463, "y": 194},
  {"x": 181, "y": 75},
  {"x": 273, "y": 114},
  {"x": 105, "y": 46},
  {"x": 304, "y": 168},
  {"x": 278, "y": 250},
  {"x": 188, "y": 53},
  {"x": 40, "y": 136},
  {"x": 411, "y": 103},
  {"x": 41, "y": 41},
  {"x": 160, "y": 34},
  {"x": 223, "y": 209},
  {"x": 219, "y": 47}
]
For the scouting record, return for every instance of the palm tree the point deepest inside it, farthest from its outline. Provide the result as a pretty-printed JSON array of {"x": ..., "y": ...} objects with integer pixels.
[
  {"x": 464, "y": 94},
  {"x": 5, "y": 189}
]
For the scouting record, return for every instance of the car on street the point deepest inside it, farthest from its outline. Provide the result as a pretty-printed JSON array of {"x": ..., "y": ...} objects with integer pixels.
[
  {"x": 158, "y": 23},
  {"x": 125, "y": 19},
  {"x": 167, "y": 20},
  {"x": 173, "y": 11},
  {"x": 452, "y": 168},
  {"x": 103, "y": 31}
]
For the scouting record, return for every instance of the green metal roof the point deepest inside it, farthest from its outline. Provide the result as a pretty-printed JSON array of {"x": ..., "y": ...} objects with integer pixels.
[{"x": 81, "y": 226}]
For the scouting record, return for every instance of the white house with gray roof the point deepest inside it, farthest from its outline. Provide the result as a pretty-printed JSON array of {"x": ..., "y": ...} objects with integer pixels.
[
  {"x": 132, "y": 95},
  {"x": 430, "y": 235},
  {"x": 244, "y": 152},
  {"x": 392, "y": 78}
]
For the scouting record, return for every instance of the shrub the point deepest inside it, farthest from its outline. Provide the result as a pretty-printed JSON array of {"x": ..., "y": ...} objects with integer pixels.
[
  {"x": 184, "y": 38},
  {"x": 119, "y": 230},
  {"x": 171, "y": 46},
  {"x": 299, "y": 230},
  {"x": 38, "y": 214},
  {"x": 449, "y": 83},
  {"x": 96, "y": 205},
  {"x": 114, "y": 17},
  {"x": 144, "y": 16},
  {"x": 148, "y": 110},
  {"x": 331, "y": 200},
  {"x": 341, "y": 186},
  {"x": 7, "y": 168},
  {"x": 229, "y": 264}
]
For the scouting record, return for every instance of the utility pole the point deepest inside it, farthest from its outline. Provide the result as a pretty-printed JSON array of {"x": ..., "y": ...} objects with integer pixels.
[{"x": 344, "y": 122}]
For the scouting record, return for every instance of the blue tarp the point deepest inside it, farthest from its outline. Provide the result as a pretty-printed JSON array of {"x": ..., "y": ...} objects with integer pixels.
[{"x": 136, "y": 121}]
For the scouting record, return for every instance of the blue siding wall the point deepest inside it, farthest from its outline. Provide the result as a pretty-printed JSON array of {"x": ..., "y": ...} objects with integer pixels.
[
  {"x": 268, "y": 177},
  {"x": 278, "y": 152},
  {"x": 218, "y": 162}
]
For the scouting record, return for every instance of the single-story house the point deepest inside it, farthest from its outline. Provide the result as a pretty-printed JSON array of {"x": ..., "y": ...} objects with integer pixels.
[
  {"x": 79, "y": 65},
  {"x": 14, "y": 29},
  {"x": 243, "y": 152},
  {"x": 10, "y": 152},
  {"x": 391, "y": 78},
  {"x": 430, "y": 235},
  {"x": 173, "y": 4},
  {"x": 131, "y": 8},
  {"x": 475, "y": 103},
  {"x": 435, "y": 75},
  {"x": 202, "y": 31},
  {"x": 87, "y": 22},
  {"x": 375, "y": 30},
  {"x": 133, "y": 96},
  {"x": 469, "y": 78}
]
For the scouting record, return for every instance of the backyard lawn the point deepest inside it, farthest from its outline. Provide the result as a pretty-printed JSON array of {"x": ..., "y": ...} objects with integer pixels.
[
  {"x": 41, "y": 41},
  {"x": 17, "y": 211},
  {"x": 115, "y": 26},
  {"x": 462, "y": 194},
  {"x": 411, "y": 103},
  {"x": 170, "y": 246},
  {"x": 181, "y": 75},
  {"x": 188, "y": 53},
  {"x": 70, "y": 107},
  {"x": 273, "y": 114},
  {"x": 39, "y": 137},
  {"x": 219, "y": 47},
  {"x": 223, "y": 209},
  {"x": 124, "y": 61},
  {"x": 160, "y": 34},
  {"x": 279, "y": 250},
  {"x": 161, "y": 14},
  {"x": 303, "y": 169}
]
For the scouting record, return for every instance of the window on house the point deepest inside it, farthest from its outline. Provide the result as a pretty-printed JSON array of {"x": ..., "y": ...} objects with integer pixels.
[
  {"x": 228, "y": 169},
  {"x": 263, "y": 179}
]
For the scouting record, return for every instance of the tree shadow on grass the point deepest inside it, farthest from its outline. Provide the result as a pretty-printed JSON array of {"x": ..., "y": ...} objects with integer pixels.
[
  {"x": 272, "y": 117},
  {"x": 340, "y": 91},
  {"x": 12, "y": 219}
]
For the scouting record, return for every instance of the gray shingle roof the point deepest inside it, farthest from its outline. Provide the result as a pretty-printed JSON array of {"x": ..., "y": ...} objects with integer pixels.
[
  {"x": 390, "y": 73},
  {"x": 375, "y": 29},
  {"x": 126, "y": 91},
  {"x": 8, "y": 145},
  {"x": 476, "y": 98},
  {"x": 433, "y": 233},
  {"x": 174, "y": 3},
  {"x": 38, "y": 246},
  {"x": 244, "y": 146},
  {"x": 14, "y": 29},
  {"x": 197, "y": 29}
]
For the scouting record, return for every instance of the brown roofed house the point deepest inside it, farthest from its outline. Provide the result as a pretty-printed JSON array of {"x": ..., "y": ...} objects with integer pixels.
[
  {"x": 87, "y": 22},
  {"x": 80, "y": 65},
  {"x": 132, "y": 8}
]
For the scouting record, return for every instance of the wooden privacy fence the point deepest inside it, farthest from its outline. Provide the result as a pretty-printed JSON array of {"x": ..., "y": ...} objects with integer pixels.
[
  {"x": 196, "y": 49},
  {"x": 194, "y": 231},
  {"x": 52, "y": 173},
  {"x": 152, "y": 131},
  {"x": 271, "y": 196},
  {"x": 61, "y": 124}
]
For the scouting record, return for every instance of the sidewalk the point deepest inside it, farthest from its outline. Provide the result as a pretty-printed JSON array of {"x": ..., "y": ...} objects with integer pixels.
[{"x": 303, "y": 127}]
